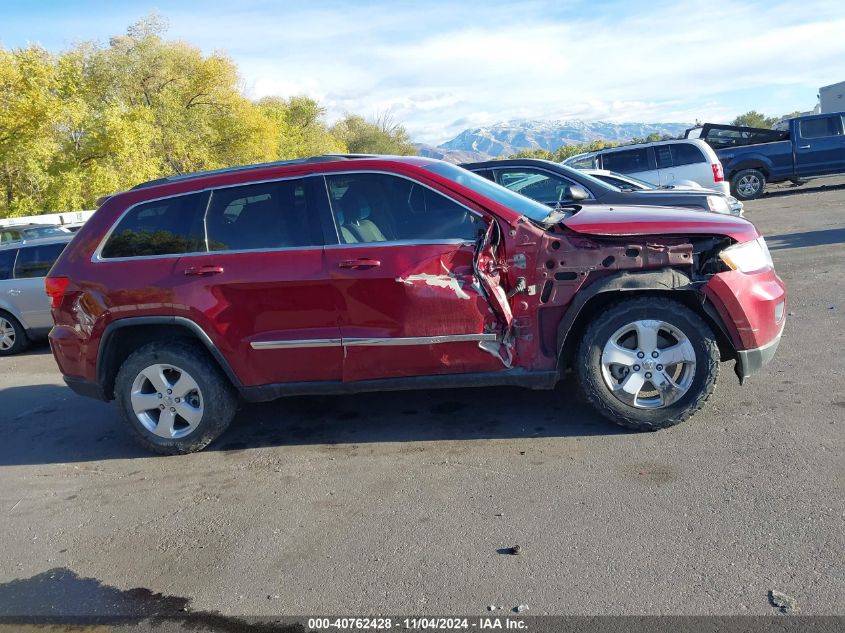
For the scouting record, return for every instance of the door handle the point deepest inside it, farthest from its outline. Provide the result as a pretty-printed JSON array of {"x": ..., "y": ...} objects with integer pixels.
[
  {"x": 14, "y": 292},
  {"x": 804, "y": 146},
  {"x": 361, "y": 262},
  {"x": 201, "y": 271}
]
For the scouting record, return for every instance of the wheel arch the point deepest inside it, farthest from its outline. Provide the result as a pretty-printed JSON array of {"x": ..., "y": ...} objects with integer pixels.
[
  {"x": 666, "y": 282},
  {"x": 9, "y": 309},
  {"x": 121, "y": 337},
  {"x": 750, "y": 163}
]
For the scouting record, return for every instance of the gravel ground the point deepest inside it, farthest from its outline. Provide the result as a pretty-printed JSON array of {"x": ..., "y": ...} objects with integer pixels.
[{"x": 405, "y": 503}]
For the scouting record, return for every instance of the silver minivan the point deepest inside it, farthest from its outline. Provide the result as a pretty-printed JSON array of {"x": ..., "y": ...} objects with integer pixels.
[
  {"x": 662, "y": 163},
  {"x": 24, "y": 305}
]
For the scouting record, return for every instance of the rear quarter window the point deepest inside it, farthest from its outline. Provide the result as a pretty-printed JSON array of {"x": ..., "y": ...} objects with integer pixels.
[
  {"x": 686, "y": 154},
  {"x": 170, "y": 226},
  {"x": 36, "y": 261}
]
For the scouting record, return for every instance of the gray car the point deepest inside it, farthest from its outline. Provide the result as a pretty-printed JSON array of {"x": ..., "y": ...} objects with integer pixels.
[
  {"x": 552, "y": 183},
  {"x": 24, "y": 306}
]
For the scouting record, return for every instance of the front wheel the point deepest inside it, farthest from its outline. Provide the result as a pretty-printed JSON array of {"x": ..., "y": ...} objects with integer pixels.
[
  {"x": 648, "y": 363},
  {"x": 748, "y": 184},
  {"x": 174, "y": 398}
]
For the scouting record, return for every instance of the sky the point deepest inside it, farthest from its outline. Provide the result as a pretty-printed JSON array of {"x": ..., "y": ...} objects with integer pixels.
[{"x": 440, "y": 67}]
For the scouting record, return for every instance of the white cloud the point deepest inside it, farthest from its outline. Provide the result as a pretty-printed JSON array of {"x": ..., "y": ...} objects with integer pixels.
[{"x": 441, "y": 67}]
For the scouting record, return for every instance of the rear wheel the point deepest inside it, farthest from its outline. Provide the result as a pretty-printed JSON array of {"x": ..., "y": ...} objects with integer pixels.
[
  {"x": 748, "y": 184},
  {"x": 13, "y": 337},
  {"x": 174, "y": 398},
  {"x": 648, "y": 363}
]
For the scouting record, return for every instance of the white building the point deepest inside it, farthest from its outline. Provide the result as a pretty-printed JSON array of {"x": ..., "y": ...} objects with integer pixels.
[{"x": 832, "y": 97}]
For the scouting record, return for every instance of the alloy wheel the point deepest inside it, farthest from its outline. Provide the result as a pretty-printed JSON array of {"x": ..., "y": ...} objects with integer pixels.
[
  {"x": 648, "y": 364},
  {"x": 167, "y": 401},
  {"x": 7, "y": 335},
  {"x": 748, "y": 185}
]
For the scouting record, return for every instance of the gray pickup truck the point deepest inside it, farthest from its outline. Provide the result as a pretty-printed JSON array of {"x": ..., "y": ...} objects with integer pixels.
[{"x": 796, "y": 150}]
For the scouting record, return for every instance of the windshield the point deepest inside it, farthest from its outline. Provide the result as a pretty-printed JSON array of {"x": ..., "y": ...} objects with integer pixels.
[
  {"x": 43, "y": 231},
  {"x": 583, "y": 178},
  {"x": 642, "y": 183},
  {"x": 526, "y": 206}
]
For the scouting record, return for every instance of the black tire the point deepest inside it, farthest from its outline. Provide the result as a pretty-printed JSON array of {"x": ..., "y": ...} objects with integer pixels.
[
  {"x": 610, "y": 321},
  {"x": 218, "y": 397},
  {"x": 748, "y": 184},
  {"x": 21, "y": 340}
]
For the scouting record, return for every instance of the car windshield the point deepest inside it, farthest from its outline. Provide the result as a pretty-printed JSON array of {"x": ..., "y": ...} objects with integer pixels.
[
  {"x": 580, "y": 176},
  {"x": 526, "y": 206},
  {"x": 642, "y": 183},
  {"x": 43, "y": 231}
]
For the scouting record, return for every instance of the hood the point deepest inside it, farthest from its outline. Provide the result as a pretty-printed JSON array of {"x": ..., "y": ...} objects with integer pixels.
[
  {"x": 643, "y": 220},
  {"x": 689, "y": 191}
]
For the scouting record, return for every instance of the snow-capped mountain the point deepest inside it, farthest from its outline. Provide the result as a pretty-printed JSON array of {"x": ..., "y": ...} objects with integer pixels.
[{"x": 506, "y": 138}]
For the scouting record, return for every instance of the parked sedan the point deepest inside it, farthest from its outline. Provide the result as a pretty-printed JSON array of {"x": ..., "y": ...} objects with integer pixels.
[
  {"x": 24, "y": 308},
  {"x": 552, "y": 184},
  {"x": 629, "y": 183}
]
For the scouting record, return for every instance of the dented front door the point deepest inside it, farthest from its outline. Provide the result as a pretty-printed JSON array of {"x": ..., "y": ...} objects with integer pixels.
[{"x": 413, "y": 310}]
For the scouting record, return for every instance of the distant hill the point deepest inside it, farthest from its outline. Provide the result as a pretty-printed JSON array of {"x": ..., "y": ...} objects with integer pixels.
[
  {"x": 506, "y": 138},
  {"x": 450, "y": 156}
]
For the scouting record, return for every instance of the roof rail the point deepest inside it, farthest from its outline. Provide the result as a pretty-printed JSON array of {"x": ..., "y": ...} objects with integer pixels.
[{"x": 226, "y": 170}]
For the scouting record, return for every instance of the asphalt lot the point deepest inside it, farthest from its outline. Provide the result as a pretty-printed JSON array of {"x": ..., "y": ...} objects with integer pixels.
[{"x": 400, "y": 503}]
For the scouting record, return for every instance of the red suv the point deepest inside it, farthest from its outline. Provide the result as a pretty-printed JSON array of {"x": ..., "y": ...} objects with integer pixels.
[{"x": 342, "y": 274}]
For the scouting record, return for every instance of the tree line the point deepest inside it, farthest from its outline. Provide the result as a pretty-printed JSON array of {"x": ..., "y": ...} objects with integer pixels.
[{"x": 95, "y": 119}]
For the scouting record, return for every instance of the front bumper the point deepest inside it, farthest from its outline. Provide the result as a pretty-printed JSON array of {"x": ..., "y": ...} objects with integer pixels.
[
  {"x": 749, "y": 361},
  {"x": 752, "y": 308}
]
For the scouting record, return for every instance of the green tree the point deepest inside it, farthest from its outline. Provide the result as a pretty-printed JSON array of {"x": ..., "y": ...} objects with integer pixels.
[
  {"x": 381, "y": 136},
  {"x": 299, "y": 127},
  {"x": 752, "y": 118},
  {"x": 543, "y": 154},
  {"x": 29, "y": 111}
]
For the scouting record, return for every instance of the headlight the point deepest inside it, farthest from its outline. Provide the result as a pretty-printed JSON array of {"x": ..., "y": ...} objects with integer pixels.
[
  {"x": 748, "y": 257},
  {"x": 735, "y": 206},
  {"x": 718, "y": 204}
]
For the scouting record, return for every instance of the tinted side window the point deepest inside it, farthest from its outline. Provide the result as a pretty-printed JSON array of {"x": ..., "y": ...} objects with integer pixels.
[
  {"x": 7, "y": 260},
  {"x": 818, "y": 128},
  {"x": 382, "y": 208},
  {"x": 627, "y": 161},
  {"x": 686, "y": 154},
  {"x": 263, "y": 216},
  {"x": 36, "y": 261},
  {"x": 534, "y": 183},
  {"x": 162, "y": 227}
]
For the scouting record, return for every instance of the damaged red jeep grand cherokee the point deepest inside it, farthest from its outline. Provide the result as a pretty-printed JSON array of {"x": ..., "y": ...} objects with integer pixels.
[{"x": 342, "y": 274}]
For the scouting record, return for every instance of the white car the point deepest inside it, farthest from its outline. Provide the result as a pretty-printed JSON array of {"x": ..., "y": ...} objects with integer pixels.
[
  {"x": 663, "y": 163},
  {"x": 24, "y": 306}
]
